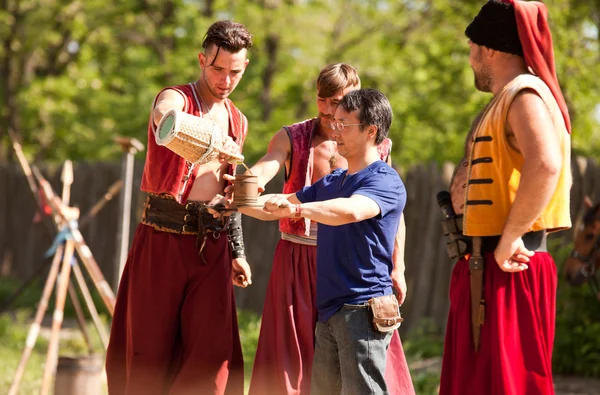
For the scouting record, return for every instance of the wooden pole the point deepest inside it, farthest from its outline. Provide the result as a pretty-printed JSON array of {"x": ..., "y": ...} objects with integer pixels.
[
  {"x": 107, "y": 197},
  {"x": 67, "y": 180},
  {"x": 57, "y": 318},
  {"x": 80, "y": 317},
  {"x": 87, "y": 296},
  {"x": 24, "y": 164},
  {"x": 85, "y": 254},
  {"x": 34, "y": 329},
  {"x": 130, "y": 147}
]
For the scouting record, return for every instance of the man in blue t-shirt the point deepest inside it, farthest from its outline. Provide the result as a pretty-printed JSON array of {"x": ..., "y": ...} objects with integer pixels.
[{"x": 358, "y": 211}]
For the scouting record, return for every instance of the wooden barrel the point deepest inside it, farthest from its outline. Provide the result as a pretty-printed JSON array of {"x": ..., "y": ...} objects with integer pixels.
[{"x": 79, "y": 376}]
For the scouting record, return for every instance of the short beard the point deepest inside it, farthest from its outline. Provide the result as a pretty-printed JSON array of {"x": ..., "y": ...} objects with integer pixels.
[{"x": 483, "y": 81}]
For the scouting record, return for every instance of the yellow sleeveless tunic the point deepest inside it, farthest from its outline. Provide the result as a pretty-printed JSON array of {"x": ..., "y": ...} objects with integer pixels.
[{"x": 494, "y": 167}]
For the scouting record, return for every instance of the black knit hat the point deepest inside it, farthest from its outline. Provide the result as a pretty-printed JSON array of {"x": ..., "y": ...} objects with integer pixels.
[{"x": 495, "y": 27}]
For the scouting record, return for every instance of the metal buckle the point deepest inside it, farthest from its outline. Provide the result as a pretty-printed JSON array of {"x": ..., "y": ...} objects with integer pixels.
[
  {"x": 190, "y": 206},
  {"x": 189, "y": 229},
  {"x": 216, "y": 235},
  {"x": 187, "y": 218},
  {"x": 476, "y": 263}
]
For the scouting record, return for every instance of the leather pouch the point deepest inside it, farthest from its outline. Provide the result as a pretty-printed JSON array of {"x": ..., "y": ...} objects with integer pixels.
[{"x": 386, "y": 313}]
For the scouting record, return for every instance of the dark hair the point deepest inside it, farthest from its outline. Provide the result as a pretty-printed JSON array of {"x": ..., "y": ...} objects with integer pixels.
[
  {"x": 373, "y": 109},
  {"x": 336, "y": 77},
  {"x": 231, "y": 36}
]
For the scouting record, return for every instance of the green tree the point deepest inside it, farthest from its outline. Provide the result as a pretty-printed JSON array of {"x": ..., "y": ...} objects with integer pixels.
[{"x": 73, "y": 74}]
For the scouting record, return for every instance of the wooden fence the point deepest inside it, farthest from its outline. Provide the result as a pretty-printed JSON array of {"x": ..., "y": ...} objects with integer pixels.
[{"x": 23, "y": 242}]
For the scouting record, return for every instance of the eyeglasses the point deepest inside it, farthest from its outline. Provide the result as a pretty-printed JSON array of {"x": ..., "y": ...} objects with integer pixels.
[{"x": 340, "y": 126}]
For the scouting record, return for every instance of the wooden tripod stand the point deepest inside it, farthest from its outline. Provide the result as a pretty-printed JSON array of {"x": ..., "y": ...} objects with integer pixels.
[{"x": 64, "y": 258}]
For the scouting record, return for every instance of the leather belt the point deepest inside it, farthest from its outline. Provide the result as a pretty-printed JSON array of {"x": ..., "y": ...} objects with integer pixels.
[
  {"x": 533, "y": 241},
  {"x": 164, "y": 214}
]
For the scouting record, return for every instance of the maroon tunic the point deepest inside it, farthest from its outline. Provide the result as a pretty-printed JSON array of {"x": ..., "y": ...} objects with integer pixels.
[
  {"x": 167, "y": 172},
  {"x": 285, "y": 350},
  {"x": 175, "y": 328},
  {"x": 515, "y": 353}
]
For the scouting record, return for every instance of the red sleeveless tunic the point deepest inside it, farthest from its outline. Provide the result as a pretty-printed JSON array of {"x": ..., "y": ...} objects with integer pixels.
[
  {"x": 159, "y": 340},
  {"x": 167, "y": 172}
]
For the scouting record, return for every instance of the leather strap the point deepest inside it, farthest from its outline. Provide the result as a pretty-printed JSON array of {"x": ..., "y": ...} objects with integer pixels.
[
  {"x": 476, "y": 266},
  {"x": 534, "y": 241},
  {"x": 164, "y": 214},
  {"x": 388, "y": 321}
]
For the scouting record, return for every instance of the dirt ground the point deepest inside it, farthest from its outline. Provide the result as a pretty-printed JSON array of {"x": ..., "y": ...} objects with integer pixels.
[
  {"x": 563, "y": 385},
  {"x": 576, "y": 386}
]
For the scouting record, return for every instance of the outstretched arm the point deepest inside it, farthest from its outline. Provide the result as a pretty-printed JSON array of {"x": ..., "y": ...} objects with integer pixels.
[
  {"x": 258, "y": 212},
  {"x": 278, "y": 153},
  {"x": 332, "y": 212},
  {"x": 167, "y": 100}
]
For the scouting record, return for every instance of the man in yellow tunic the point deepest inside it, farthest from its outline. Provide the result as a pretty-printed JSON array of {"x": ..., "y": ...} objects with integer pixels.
[{"x": 512, "y": 188}]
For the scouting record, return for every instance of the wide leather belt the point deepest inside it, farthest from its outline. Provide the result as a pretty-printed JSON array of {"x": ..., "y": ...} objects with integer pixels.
[
  {"x": 163, "y": 213},
  {"x": 533, "y": 241}
]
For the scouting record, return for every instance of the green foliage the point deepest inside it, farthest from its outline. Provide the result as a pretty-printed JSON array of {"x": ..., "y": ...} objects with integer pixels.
[
  {"x": 14, "y": 328},
  {"x": 424, "y": 345},
  {"x": 576, "y": 344},
  {"x": 427, "y": 383},
  {"x": 424, "y": 342},
  {"x": 75, "y": 74},
  {"x": 249, "y": 325},
  {"x": 12, "y": 341},
  {"x": 31, "y": 295}
]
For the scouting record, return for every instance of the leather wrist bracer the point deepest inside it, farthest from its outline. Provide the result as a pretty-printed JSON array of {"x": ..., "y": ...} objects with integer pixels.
[{"x": 236, "y": 236}]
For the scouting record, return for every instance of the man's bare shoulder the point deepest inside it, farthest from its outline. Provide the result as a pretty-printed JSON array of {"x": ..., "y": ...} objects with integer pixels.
[
  {"x": 171, "y": 95},
  {"x": 528, "y": 119},
  {"x": 280, "y": 142},
  {"x": 526, "y": 104},
  {"x": 167, "y": 100}
]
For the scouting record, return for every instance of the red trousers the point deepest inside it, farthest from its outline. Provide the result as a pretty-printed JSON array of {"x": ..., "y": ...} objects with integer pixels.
[
  {"x": 285, "y": 350},
  {"x": 515, "y": 353},
  {"x": 175, "y": 328}
]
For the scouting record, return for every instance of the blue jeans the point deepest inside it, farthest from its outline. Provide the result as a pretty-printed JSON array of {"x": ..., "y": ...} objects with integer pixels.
[{"x": 350, "y": 355}]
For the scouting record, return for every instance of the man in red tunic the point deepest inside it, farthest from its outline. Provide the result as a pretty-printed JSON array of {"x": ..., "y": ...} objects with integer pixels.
[
  {"x": 308, "y": 152},
  {"x": 512, "y": 188},
  {"x": 175, "y": 329}
]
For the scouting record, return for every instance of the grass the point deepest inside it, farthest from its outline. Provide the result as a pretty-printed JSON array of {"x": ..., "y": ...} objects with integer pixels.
[
  {"x": 14, "y": 327},
  {"x": 424, "y": 344}
]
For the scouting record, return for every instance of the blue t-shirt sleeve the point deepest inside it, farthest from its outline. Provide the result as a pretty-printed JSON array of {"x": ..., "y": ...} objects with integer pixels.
[
  {"x": 308, "y": 194},
  {"x": 311, "y": 193},
  {"x": 386, "y": 189}
]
